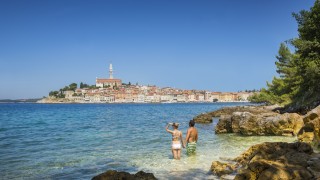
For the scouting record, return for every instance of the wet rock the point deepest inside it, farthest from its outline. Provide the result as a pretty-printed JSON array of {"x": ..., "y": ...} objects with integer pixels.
[{"x": 115, "y": 175}]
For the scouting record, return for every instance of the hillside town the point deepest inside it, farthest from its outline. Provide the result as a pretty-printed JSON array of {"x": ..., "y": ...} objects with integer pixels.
[{"x": 112, "y": 90}]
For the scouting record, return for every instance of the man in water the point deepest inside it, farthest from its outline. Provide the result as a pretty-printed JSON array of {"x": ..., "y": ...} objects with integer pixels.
[{"x": 192, "y": 138}]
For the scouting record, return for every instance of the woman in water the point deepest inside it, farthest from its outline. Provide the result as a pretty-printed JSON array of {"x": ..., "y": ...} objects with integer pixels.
[{"x": 177, "y": 140}]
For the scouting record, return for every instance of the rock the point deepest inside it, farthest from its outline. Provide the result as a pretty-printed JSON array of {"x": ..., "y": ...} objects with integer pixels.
[
  {"x": 207, "y": 117},
  {"x": 314, "y": 166},
  {"x": 279, "y": 161},
  {"x": 115, "y": 175},
  {"x": 310, "y": 132},
  {"x": 251, "y": 109},
  {"x": 220, "y": 168},
  {"x": 284, "y": 124},
  {"x": 267, "y": 123},
  {"x": 203, "y": 118},
  {"x": 224, "y": 125}
]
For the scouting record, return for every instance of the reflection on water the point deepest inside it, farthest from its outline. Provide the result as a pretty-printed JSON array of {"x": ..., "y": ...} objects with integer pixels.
[{"x": 63, "y": 141}]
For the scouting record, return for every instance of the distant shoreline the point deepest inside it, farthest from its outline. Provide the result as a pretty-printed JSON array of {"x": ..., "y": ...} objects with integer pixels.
[{"x": 35, "y": 100}]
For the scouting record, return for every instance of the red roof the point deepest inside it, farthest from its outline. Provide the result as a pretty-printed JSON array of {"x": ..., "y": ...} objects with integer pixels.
[{"x": 108, "y": 80}]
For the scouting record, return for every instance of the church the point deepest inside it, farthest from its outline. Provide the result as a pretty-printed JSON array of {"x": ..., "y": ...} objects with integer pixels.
[{"x": 111, "y": 82}]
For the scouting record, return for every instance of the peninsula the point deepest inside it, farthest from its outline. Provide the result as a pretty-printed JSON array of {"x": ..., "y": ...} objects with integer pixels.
[{"x": 111, "y": 90}]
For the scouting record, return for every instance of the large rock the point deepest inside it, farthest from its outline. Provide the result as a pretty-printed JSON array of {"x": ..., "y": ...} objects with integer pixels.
[
  {"x": 251, "y": 109},
  {"x": 267, "y": 123},
  {"x": 220, "y": 168},
  {"x": 279, "y": 161},
  {"x": 310, "y": 132},
  {"x": 207, "y": 117},
  {"x": 115, "y": 175},
  {"x": 224, "y": 124},
  {"x": 203, "y": 118}
]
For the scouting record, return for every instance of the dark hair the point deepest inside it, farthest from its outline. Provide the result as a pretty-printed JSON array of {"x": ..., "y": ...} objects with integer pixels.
[
  {"x": 191, "y": 123},
  {"x": 175, "y": 125}
]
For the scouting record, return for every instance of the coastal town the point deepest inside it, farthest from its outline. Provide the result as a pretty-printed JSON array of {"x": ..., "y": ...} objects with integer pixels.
[{"x": 112, "y": 90}]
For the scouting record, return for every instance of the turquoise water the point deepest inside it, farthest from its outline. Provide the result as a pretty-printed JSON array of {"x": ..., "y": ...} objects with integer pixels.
[{"x": 79, "y": 141}]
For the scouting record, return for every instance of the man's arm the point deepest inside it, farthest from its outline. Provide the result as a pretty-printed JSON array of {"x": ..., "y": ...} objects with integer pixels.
[
  {"x": 196, "y": 138},
  {"x": 187, "y": 136}
]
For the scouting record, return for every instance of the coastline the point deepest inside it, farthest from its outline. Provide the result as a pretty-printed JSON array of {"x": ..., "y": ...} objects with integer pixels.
[{"x": 67, "y": 101}]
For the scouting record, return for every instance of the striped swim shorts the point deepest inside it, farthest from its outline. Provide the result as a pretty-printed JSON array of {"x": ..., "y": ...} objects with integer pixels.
[{"x": 191, "y": 148}]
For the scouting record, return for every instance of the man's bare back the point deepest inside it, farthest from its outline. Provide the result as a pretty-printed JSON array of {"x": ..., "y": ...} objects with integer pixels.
[{"x": 192, "y": 135}]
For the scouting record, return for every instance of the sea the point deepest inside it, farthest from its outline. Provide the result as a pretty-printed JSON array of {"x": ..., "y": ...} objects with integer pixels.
[{"x": 79, "y": 141}]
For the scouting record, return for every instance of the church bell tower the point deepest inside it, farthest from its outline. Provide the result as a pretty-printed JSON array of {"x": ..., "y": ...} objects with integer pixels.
[{"x": 110, "y": 72}]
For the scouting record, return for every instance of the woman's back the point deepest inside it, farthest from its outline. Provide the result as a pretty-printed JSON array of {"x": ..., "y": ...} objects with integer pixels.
[{"x": 176, "y": 135}]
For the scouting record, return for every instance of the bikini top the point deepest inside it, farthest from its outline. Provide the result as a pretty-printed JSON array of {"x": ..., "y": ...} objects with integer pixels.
[{"x": 176, "y": 136}]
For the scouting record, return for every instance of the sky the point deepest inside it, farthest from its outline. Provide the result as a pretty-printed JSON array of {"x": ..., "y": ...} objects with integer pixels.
[{"x": 214, "y": 45}]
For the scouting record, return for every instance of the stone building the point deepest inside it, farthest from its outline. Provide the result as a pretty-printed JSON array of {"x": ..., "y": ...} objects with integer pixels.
[{"x": 111, "y": 82}]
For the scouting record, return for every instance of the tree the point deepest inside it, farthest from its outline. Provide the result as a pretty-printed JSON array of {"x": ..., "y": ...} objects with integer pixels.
[
  {"x": 308, "y": 59},
  {"x": 73, "y": 86},
  {"x": 53, "y": 93},
  {"x": 298, "y": 85},
  {"x": 83, "y": 85}
]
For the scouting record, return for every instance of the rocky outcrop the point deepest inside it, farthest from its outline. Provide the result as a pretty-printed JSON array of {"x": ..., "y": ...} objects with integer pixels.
[
  {"x": 277, "y": 160},
  {"x": 251, "y": 109},
  {"x": 267, "y": 123},
  {"x": 203, "y": 118},
  {"x": 220, "y": 168},
  {"x": 310, "y": 132},
  {"x": 207, "y": 117},
  {"x": 115, "y": 175}
]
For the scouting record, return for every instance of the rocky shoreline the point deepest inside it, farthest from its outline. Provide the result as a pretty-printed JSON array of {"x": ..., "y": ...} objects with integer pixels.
[
  {"x": 266, "y": 121},
  {"x": 276, "y": 160},
  {"x": 269, "y": 160}
]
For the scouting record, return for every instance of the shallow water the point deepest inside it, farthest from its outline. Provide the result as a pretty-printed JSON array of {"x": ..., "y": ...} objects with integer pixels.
[{"x": 67, "y": 141}]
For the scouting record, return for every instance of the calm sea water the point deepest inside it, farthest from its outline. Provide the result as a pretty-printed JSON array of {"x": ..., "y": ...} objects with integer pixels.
[{"x": 79, "y": 141}]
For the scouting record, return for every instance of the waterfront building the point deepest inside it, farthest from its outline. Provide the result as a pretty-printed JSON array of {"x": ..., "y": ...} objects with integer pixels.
[
  {"x": 110, "y": 82},
  {"x": 215, "y": 96}
]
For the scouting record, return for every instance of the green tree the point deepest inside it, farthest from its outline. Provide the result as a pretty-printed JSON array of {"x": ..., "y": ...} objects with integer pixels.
[
  {"x": 308, "y": 56},
  {"x": 54, "y": 93},
  {"x": 83, "y": 85},
  {"x": 299, "y": 73},
  {"x": 73, "y": 86}
]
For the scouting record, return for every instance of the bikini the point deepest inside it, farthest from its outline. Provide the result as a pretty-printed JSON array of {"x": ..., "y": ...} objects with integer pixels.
[{"x": 176, "y": 144}]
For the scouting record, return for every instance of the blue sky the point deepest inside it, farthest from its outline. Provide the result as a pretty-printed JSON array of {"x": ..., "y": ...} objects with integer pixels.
[{"x": 215, "y": 45}]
